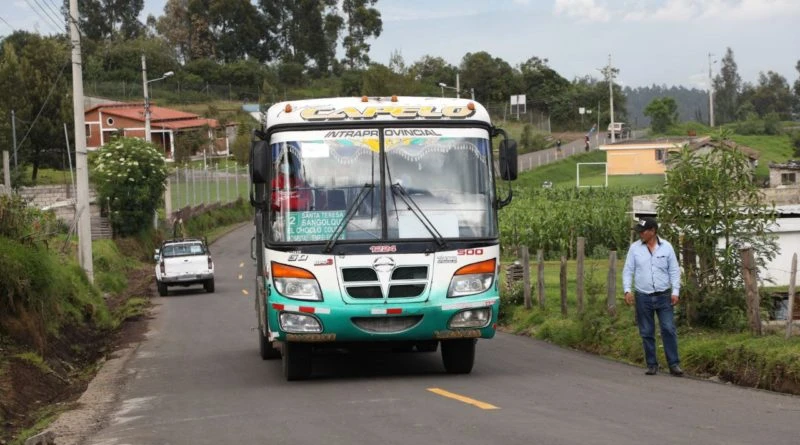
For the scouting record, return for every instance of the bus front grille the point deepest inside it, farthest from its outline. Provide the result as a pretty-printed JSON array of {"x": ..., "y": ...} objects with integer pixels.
[{"x": 386, "y": 325}]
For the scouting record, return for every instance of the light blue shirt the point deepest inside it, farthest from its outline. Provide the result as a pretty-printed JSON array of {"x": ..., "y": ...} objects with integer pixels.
[{"x": 653, "y": 272}]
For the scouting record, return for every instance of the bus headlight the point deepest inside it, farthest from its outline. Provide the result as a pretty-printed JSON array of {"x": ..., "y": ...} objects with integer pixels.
[
  {"x": 294, "y": 282},
  {"x": 472, "y": 279},
  {"x": 299, "y": 323},
  {"x": 471, "y": 318}
]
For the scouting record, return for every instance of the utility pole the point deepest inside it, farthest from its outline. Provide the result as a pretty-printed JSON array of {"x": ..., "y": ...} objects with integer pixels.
[
  {"x": 14, "y": 135},
  {"x": 82, "y": 211},
  {"x": 146, "y": 101},
  {"x": 458, "y": 88},
  {"x": 608, "y": 71},
  {"x": 710, "y": 93}
]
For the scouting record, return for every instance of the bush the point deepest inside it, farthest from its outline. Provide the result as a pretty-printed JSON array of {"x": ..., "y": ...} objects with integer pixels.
[{"x": 130, "y": 177}]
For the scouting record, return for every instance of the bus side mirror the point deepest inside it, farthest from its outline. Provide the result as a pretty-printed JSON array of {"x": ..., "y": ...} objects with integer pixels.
[
  {"x": 259, "y": 161},
  {"x": 508, "y": 159}
]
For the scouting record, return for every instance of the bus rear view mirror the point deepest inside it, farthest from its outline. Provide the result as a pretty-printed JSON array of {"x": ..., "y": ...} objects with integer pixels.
[
  {"x": 259, "y": 161},
  {"x": 508, "y": 159}
]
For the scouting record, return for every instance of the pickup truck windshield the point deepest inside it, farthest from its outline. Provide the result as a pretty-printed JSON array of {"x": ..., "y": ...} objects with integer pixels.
[
  {"x": 183, "y": 249},
  {"x": 317, "y": 176}
]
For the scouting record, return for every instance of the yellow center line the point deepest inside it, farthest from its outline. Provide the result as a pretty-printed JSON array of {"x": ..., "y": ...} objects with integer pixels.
[
  {"x": 241, "y": 264},
  {"x": 244, "y": 291},
  {"x": 460, "y": 398},
  {"x": 240, "y": 276}
]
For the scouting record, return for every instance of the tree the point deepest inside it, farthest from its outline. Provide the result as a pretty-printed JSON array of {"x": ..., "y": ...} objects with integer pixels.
[
  {"x": 663, "y": 113},
  {"x": 33, "y": 73},
  {"x": 771, "y": 95},
  {"x": 185, "y": 25},
  {"x": 492, "y": 78},
  {"x": 797, "y": 89},
  {"x": 130, "y": 176},
  {"x": 107, "y": 19},
  {"x": 727, "y": 86},
  {"x": 363, "y": 22},
  {"x": 541, "y": 84},
  {"x": 712, "y": 205}
]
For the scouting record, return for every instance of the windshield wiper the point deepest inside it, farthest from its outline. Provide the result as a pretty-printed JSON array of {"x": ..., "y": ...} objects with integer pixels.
[
  {"x": 351, "y": 212},
  {"x": 412, "y": 205}
]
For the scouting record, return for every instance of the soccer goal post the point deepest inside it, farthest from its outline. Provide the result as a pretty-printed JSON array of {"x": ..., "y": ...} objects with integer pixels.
[{"x": 596, "y": 176}]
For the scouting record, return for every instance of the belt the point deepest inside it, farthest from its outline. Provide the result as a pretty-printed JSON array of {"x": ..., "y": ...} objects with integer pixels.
[{"x": 661, "y": 292}]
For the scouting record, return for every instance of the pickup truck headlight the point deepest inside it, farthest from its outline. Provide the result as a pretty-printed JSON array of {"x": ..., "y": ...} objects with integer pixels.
[
  {"x": 294, "y": 282},
  {"x": 472, "y": 279}
]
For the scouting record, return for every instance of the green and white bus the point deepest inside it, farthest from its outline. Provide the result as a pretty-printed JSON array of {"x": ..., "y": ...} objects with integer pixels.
[{"x": 376, "y": 224}]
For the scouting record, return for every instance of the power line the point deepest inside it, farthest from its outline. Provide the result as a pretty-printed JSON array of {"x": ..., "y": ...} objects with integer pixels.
[
  {"x": 56, "y": 11},
  {"x": 45, "y": 18},
  {"x": 8, "y": 24},
  {"x": 47, "y": 99},
  {"x": 49, "y": 17}
]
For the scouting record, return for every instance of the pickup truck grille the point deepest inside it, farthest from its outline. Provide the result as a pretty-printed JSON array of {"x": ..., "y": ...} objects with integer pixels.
[{"x": 405, "y": 282}]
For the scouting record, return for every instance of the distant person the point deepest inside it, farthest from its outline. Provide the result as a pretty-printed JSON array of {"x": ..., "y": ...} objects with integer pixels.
[
  {"x": 586, "y": 143},
  {"x": 558, "y": 148},
  {"x": 652, "y": 267},
  {"x": 289, "y": 190}
]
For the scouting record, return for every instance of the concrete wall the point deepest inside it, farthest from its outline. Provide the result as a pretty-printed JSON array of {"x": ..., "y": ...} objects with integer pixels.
[{"x": 59, "y": 198}]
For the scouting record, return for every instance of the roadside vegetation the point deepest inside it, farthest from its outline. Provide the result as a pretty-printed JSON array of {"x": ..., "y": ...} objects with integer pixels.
[
  {"x": 713, "y": 328},
  {"x": 56, "y": 326}
]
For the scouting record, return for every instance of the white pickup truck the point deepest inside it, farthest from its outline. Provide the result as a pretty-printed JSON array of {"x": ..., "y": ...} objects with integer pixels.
[{"x": 183, "y": 262}]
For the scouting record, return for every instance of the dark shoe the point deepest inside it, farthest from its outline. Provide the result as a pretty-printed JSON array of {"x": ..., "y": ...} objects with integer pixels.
[
  {"x": 652, "y": 370},
  {"x": 676, "y": 371}
]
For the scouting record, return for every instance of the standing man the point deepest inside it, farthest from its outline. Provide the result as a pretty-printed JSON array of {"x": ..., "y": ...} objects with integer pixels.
[
  {"x": 558, "y": 148},
  {"x": 653, "y": 264}
]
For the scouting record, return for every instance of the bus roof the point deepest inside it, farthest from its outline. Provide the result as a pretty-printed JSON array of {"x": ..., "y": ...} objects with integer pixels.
[{"x": 372, "y": 109}]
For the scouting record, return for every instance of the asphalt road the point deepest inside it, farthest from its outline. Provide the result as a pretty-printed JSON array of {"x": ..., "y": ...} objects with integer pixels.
[{"x": 198, "y": 379}]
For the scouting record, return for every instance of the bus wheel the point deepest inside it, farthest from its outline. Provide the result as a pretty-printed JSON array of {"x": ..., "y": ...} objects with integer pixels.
[
  {"x": 296, "y": 361},
  {"x": 458, "y": 355},
  {"x": 268, "y": 352}
]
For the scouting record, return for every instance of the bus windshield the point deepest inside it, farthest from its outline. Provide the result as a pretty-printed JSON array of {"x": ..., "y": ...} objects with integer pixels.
[{"x": 435, "y": 183}]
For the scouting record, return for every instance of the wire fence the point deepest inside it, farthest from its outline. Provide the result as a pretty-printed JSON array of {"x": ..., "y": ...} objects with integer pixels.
[{"x": 190, "y": 187}]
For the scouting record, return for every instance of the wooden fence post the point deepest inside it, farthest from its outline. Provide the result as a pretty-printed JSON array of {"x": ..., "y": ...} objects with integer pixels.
[
  {"x": 540, "y": 276},
  {"x": 751, "y": 290},
  {"x": 790, "y": 311},
  {"x": 579, "y": 277},
  {"x": 611, "y": 284},
  {"x": 563, "y": 283},
  {"x": 526, "y": 276}
]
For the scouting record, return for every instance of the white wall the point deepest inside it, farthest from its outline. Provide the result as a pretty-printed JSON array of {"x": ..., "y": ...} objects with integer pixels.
[{"x": 779, "y": 269}]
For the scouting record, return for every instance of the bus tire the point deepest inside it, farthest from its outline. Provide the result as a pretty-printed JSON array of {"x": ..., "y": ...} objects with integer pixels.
[
  {"x": 296, "y": 360},
  {"x": 268, "y": 352},
  {"x": 458, "y": 356}
]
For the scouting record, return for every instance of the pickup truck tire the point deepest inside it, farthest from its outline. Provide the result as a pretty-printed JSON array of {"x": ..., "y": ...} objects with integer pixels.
[
  {"x": 209, "y": 286},
  {"x": 162, "y": 288},
  {"x": 296, "y": 361},
  {"x": 268, "y": 352},
  {"x": 458, "y": 356}
]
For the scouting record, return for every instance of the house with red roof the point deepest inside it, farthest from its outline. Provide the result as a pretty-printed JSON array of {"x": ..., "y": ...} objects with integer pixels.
[{"x": 167, "y": 126}]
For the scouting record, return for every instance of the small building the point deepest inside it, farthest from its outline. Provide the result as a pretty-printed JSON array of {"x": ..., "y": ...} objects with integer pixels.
[
  {"x": 108, "y": 120},
  {"x": 649, "y": 157},
  {"x": 776, "y": 272},
  {"x": 784, "y": 175}
]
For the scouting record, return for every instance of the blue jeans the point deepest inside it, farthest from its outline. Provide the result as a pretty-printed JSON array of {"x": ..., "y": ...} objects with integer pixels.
[{"x": 646, "y": 307}]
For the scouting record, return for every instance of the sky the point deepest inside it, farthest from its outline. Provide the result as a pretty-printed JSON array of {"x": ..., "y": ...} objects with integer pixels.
[{"x": 663, "y": 42}]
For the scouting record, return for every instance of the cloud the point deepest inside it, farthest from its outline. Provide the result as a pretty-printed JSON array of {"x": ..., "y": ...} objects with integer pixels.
[
  {"x": 582, "y": 10},
  {"x": 676, "y": 10}
]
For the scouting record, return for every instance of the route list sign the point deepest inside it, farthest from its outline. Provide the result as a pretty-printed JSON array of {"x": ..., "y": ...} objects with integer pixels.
[{"x": 314, "y": 226}]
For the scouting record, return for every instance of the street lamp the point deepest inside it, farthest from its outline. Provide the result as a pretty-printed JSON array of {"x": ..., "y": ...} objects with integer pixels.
[
  {"x": 145, "y": 83},
  {"x": 443, "y": 85}
]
